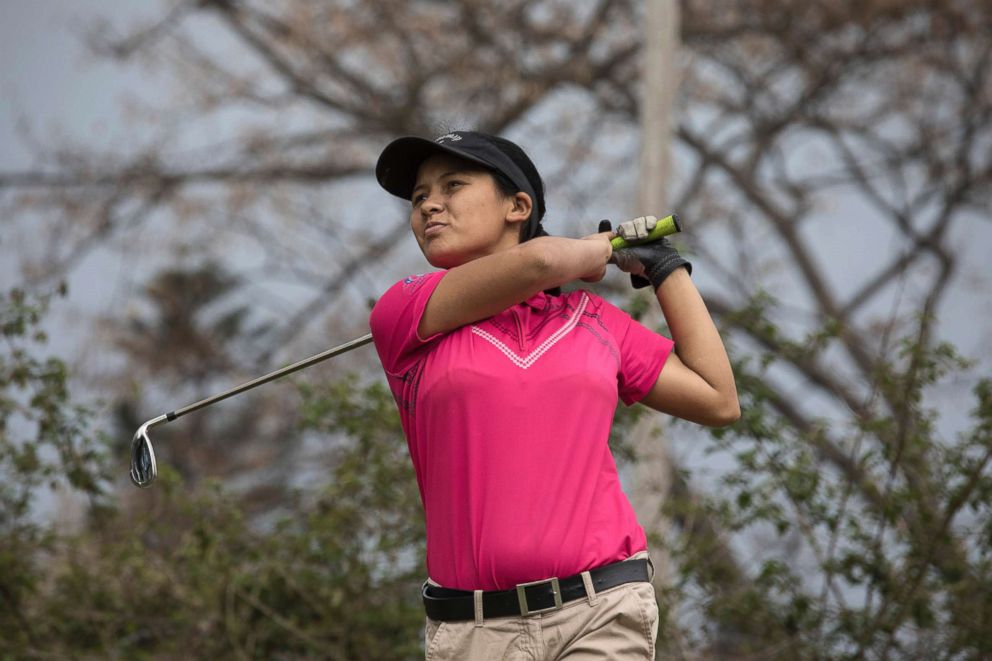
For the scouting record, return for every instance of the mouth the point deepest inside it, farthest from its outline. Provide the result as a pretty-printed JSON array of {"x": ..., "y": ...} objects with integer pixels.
[{"x": 433, "y": 229}]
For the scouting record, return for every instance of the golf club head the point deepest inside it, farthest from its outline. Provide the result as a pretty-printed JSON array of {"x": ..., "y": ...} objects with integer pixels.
[{"x": 143, "y": 467}]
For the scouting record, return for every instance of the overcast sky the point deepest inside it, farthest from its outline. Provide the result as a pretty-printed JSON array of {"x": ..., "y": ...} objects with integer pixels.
[{"x": 48, "y": 78}]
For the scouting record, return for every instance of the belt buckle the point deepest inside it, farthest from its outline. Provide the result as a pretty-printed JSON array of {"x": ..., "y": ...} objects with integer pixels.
[{"x": 522, "y": 596}]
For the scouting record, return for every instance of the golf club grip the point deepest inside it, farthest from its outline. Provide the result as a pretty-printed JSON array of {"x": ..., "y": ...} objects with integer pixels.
[{"x": 665, "y": 226}]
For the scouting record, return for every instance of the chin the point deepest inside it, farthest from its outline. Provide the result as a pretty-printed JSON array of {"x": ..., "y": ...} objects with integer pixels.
[
  {"x": 443, "y": 259},
  {"x": 444, "y": 263}
]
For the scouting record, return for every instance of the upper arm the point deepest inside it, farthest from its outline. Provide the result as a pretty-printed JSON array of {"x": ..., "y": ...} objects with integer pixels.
[{"x": 681, "y": 392}]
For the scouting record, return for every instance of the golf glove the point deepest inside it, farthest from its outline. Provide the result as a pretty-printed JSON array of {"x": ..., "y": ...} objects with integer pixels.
[{"x": 648, "y": 263}]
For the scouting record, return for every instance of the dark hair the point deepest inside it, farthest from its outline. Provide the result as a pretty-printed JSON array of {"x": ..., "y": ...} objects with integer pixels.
[{"x": 509, "y": 189}]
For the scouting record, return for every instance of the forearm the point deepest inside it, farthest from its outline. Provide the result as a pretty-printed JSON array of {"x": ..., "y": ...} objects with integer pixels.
[
  {"x": 487, "y": 285},
  {"x": 697, "y": 341},
  {"x": 563, "y": 260},
  {"x": 696, "y": 382}
]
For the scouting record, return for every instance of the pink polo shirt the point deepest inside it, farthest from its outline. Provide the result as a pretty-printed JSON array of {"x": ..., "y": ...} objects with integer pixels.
[{"x": 507, "y": 422}]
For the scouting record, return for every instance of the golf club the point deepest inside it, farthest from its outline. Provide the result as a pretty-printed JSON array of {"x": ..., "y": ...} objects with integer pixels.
[
  {"x": 663, "y": 227},
  {"x": 143, "y": 467}
]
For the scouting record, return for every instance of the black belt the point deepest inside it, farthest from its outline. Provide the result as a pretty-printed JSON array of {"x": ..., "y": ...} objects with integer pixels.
[{"x": 525, "y": 599}]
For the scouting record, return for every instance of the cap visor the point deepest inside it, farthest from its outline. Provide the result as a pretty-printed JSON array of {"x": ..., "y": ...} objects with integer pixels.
[{"x": 400, "y": 161}]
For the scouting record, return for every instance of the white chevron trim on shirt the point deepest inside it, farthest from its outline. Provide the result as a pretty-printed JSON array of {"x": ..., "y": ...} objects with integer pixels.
[{"x": 542, "y": 348}]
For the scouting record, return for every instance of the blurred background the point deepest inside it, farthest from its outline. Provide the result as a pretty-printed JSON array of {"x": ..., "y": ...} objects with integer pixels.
[{"x": 187, "y": 201}]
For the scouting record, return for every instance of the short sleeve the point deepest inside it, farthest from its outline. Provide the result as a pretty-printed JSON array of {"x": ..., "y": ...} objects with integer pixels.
[
  {"x": 395, "y": 318},
  {"x": 643, "y": 353}
]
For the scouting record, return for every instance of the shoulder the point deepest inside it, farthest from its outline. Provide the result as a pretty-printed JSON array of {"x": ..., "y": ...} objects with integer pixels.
[
  {"x": 408, "y": 287},
  {"x": 411, "y": 290},
  {"x": 395, "y": 318},
  {"x": 593, "y": 303},
  {"x": 412, "y": 283}
]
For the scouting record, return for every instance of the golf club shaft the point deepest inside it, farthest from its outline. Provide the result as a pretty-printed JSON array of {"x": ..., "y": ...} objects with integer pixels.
[
  {"x": 143, "y": 464},
  {"x": 271, "y": 376},
  {"x": 664, "y": 227}
]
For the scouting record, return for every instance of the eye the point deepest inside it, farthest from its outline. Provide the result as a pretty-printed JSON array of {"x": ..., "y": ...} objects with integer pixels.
[
  {"x": 454, "y": 183},
  {"x": 418, "y": 198}
]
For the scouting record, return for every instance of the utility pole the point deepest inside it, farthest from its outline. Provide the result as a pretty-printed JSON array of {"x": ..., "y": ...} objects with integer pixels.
[
  {"x": 659, "y": 83},
  {"x": 652, "y": 473}
]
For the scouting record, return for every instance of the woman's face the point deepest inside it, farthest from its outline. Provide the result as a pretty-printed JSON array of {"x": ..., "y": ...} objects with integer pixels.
[{"x": 459, "y": 214}]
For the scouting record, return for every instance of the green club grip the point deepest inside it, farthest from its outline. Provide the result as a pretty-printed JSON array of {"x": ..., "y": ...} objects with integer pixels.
[{"x": 667, "y": 225}]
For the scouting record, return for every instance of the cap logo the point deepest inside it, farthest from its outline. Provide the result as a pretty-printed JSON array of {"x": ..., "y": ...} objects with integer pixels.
[{"x": 448, "y": 137}]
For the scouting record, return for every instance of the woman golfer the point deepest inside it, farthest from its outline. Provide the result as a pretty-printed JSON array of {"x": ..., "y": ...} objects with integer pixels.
[{"x": 507, "y": 390}]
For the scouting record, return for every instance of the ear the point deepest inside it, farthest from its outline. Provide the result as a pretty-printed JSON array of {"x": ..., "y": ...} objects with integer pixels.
[{"x": 521, "y": 209}]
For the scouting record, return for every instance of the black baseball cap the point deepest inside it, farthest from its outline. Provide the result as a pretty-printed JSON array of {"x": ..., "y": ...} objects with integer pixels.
[{"x": 399, "y": 162}]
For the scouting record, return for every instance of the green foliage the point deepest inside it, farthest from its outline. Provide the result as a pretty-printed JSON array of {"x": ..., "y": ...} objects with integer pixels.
[
  {"x": 45, "y": 444},
  {"x": 867, "y": 537},
  {"x": 873, "y": 530},
  {"x": 171, "y": 573},
  {"x": 44, "y": 440}
]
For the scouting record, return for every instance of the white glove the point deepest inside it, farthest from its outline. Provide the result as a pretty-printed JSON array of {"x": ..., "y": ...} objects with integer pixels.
[{"x": 636, "y": 229}]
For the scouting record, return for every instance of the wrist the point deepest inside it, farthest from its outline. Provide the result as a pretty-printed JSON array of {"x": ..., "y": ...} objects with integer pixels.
[
  {"x": 599, "y": 258},
  {"x": 676, "y": 276},
  {"x": 609, "y": 252},
  {"x": 659, "y": 271},
  {"x": 600, "y": 246}
]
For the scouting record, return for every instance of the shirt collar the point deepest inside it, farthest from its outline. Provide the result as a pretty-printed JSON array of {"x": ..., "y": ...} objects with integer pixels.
[{"x": 538, "y": 301}]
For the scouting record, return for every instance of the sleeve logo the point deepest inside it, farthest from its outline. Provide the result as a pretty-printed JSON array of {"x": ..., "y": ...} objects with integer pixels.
[{"x": 412, "y": 282}]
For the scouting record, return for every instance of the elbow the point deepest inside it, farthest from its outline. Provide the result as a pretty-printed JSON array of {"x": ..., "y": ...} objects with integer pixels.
[
  {"x": 726, "y": 414},
  {"x": 732, "y": 415},
  {"x": 541, "y": 262}
]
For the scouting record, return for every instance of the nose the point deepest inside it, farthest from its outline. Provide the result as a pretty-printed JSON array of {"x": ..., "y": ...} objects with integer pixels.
[{"x": 431, "y": 204}]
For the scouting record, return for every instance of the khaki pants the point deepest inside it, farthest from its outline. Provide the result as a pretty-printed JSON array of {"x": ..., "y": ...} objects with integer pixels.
[{"x": 619, "y": 623}]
